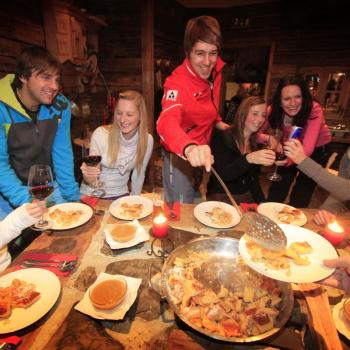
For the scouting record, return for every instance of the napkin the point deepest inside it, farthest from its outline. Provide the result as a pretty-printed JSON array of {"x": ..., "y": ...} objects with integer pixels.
[
  {"x": 85, "y": 306},
  {"x": 175, "y": 211},
  {"x": 90, "y": 201},
  {"x": 10, "y": 340},
  {"x": 140, "y": 236},
  {"x": 246, "y": 207},
  {"x": 45, "y": 256}
]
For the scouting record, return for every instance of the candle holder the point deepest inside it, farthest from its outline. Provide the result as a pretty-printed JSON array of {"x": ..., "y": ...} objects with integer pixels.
[
  {"x": 334, "y": 233},
  {"x": 165, "y": 246}
]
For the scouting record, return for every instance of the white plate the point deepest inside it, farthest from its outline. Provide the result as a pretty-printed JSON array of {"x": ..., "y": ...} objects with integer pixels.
[
  {"x": 140, "y": 236},
  {"x": 315, "y": 271},
  {"x": 341, "y": 323},
  {"x": 46, "y": 283},
  {"x": 271, "y": 210},
  {"x": 116, "y": 210},
  {"x": 85, "y": 217},
  {"x": 202, "y": 208}
]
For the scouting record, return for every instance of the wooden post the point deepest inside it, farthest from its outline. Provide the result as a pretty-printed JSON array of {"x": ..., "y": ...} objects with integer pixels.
[
  {"x": 147, "y": 65},
  {"x": 50, "y": 27},
  {"x": 268, "y": 76},
  {"x": 147, "y": 59}
]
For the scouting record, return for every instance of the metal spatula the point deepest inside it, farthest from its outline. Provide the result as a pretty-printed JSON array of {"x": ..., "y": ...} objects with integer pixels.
[
  {"x": 261, "y": 229},
  {"x": 265, "y": 232}
]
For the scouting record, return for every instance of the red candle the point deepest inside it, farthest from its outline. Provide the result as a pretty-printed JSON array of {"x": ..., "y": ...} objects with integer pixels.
[
  {"x": 160, "y": 226},
  {"x": 334, "y": 233}
]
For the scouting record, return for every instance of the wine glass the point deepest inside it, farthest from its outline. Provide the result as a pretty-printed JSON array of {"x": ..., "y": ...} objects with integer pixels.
[
  {"x": 273, "y": 144},
  {"x": 94, "y": 160},
  {"x": 40, "y": 186}
]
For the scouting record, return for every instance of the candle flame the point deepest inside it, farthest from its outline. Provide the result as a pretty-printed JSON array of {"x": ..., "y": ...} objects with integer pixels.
[
  {"x": 160, "y": 219},
  {"x": 334, "y": 226}
]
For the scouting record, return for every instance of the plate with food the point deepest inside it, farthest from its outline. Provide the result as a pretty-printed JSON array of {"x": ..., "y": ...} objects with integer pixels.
[
  {"x": 341, "y": 317},
  {"x": 25, "y": 296},
  {"x": 282, "y": 213},
  {"x": 300, "y": 262},
  {"x": 68, "y": 215},
  {"x": 131, "y": 207},
  {"x": 125, "y": 235},
  {"x": 217, "y": 214}
]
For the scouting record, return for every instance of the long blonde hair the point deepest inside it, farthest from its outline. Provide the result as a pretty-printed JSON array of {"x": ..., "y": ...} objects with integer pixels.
[{"x": 114, "y": 132}]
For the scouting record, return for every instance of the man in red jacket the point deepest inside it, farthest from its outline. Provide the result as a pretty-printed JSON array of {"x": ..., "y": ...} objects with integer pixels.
[{"x": 190, "y": 109}]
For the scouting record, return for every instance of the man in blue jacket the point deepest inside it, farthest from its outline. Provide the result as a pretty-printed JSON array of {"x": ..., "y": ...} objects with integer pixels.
[{"x": 34, "y": 129}]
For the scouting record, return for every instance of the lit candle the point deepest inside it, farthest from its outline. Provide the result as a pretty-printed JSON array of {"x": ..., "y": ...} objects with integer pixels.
[
  {"x": 334, "y": 233},
  {"x": 160, "y": 226}
]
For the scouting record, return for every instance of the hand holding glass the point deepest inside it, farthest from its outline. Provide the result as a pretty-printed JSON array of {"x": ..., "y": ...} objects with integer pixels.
[
  {"x": 273, "y": 144},
  {"x": 92, "y": 160},
  {"x": 40, "y": 186}
]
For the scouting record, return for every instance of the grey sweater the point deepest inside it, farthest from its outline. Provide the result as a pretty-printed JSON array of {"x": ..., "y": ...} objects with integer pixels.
[{"x": 338, "y": 186}]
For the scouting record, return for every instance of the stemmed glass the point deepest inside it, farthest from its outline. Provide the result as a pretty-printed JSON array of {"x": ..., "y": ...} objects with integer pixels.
[
  {"x": 273, "y": 144},
  {"x": 93, "y": 160},
  {"x": 40, "y": 186}
]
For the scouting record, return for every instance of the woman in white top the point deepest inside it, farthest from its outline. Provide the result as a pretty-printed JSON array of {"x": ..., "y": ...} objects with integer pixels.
[
  {"x": 13, "y": 224},
  {"x": 125, "y": 147}
]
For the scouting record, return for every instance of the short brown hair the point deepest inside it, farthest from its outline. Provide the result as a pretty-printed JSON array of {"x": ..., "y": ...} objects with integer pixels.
[
  {"x": 202, "y": 28},
  {"x": 35, "y": 59}
]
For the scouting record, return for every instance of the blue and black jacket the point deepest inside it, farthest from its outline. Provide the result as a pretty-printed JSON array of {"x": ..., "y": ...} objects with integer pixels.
[{"x": 24, "y": 143}]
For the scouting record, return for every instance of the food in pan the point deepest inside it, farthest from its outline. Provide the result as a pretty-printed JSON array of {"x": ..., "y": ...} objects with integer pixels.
[
  {"x": 288, "y": 215},
  {"x": 247, "y": 307},
  {"x": 108, "y": 294},
  {"x": 219, "y": 216},
  {"x": 131, "y": 211},
  {"x": 65, "y": 217},
  {"x": 279, "y": 259},
  {"x": 18, "y": 294},
  {"x": 123, "y": 232}
]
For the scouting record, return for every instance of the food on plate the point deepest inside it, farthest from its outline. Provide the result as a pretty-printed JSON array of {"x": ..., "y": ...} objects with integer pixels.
[
  {"x": 288, "y": 214},
  {"x": 18, "y": 294},
  {"x": 278, "y": 260},
  {"x": 246, "y": 307},
  {"x": 123, "y": 232},
  {"x": 301, "y": 247},
  {"x": 131, "y": 211},
  {"x": 65, "y": 217},
  {"x": 108, "y": 294},
  {"x": 219, "y": 216},
  {"x": 346, "y": 309}
]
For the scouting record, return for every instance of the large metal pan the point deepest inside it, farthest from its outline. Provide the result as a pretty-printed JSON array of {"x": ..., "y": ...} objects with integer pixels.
[{"x": 222, "y": 269}]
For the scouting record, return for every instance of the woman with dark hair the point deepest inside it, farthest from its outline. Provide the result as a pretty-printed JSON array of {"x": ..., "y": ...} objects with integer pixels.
[
  {"x": 293, "y": 105},
  {"x": 190, "y": 107},
  {"x": 237, "y": 157}
]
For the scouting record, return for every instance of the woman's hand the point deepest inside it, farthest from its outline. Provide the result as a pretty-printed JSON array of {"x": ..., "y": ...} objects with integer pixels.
[
  {"x": 90, "y": 173},
  {"x": 323, "y": 217},
  {"x": 340, "y": 278},
  {"x": 199, "y": 156},
  {"x": 36, "y": 209},
  {"x": 263, "y": 157},
  {"x": 294, "y": 150}
]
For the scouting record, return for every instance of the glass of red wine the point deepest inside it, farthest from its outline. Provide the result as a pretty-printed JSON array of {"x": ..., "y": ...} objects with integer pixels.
[
  {"x": 40, "y": 186},
  {"x": 93, "y": 160},
  {"x": 274, "y": 144}
]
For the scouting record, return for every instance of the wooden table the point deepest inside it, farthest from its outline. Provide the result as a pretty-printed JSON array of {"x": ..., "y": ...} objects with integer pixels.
[{"x": 149, "y": 324}]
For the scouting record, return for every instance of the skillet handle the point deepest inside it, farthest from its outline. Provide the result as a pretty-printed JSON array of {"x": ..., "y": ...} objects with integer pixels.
[{"x": 152, "y": 286}]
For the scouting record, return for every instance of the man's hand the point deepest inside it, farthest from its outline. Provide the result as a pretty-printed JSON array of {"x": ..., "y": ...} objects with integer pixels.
[
  {"x": 221, "y": 126},
  {"x": 199, "y": 156}
]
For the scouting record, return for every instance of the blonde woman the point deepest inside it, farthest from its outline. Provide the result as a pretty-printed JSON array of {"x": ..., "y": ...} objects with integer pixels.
[{"x": 125, "y": 147}]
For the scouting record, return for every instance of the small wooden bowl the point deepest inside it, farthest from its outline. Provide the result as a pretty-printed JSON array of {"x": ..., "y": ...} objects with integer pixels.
[{"x": 124, "y": 232}]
